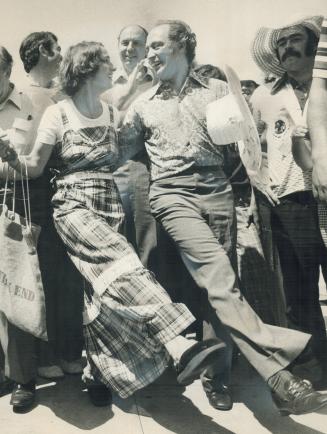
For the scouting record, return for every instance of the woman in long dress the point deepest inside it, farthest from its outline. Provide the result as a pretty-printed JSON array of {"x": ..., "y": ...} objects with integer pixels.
[{"x": 131, "y": 325}]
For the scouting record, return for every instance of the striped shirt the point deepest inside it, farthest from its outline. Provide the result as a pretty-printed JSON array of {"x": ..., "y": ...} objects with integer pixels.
[{"x": 320, "y": 66}]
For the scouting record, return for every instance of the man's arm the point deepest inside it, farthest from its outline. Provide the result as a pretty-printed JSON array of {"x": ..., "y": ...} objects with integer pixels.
[
  {"x": 317, "y": 118},
  {"x": 122, "y": 95},
  {"x": 130, "y": 135},
  {"x": 317, "y": 122}
]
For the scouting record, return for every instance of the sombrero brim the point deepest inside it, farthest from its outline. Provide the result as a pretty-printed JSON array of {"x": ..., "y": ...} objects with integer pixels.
[{"x": 249, "y": 146}]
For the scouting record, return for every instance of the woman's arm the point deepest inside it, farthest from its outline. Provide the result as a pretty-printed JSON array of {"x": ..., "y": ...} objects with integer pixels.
[{"x": 35, "y": 162}]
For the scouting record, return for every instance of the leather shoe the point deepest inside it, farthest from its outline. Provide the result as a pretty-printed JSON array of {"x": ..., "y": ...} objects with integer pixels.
[
  {"x": 23, "y": 396},
  {"x": 300, "y": 398},
  {"x": 99, "y": 395},
  {"x": 197, "y": 358},
  {"x": 220, "y": 398}
]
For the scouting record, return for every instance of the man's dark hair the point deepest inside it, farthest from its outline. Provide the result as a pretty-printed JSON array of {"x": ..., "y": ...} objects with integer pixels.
[
  {"x": 210, "y": 71},
  {"x": 134, "y": 25},
  {"x": 5, "y": 60},
  {"x": 311, "y": 48},
  {"x": 181, "y": 33},
  {"x": 30, "y": 48},
  {"x": 249, "y": 82}
]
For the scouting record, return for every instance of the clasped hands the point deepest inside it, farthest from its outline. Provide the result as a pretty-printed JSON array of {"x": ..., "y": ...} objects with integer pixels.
[{"x": 7, "y": 152}]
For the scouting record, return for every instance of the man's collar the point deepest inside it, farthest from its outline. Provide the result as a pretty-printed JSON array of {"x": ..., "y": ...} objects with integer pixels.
[
  {"x": 195, "y": 76},
  {"x": 162, "y": 87},
  {"x": 284, "y": 80},
  {"x": 279, "y": 84},
  {"x": 14, "y": 97}
]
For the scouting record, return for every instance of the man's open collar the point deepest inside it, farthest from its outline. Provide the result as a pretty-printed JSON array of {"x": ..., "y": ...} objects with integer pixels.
[
  {"x": 283, "y": 81},
  {"x": 192, "y": 75},
  {"x": 14, "y": 97},
  {"x": 279, "y": 84},
  {"x": 195, "y": 76}
]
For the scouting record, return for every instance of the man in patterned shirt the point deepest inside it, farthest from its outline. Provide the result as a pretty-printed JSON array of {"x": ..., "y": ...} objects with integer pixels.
[
  {"x": 317, "y": 118},
  {"x": 287, "y": 207},
  {"x": 191, "y": 197}
]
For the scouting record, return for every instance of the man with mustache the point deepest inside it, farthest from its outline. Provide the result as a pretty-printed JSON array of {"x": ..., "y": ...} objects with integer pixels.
[{"x": 287, "y": 208}]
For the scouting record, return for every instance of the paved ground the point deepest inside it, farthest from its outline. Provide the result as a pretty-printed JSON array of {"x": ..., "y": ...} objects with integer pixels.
[{"x": 164, "y": 407}]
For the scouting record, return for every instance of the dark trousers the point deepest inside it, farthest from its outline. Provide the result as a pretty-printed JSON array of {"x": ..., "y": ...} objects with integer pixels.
[
  {"x": 19, "y": 350},
  {"x": 197, "y": 211},
  {"x": 140, "y": 227},
  {"x": 295, "y": 232},
  {"x": 260, "y": 283}
]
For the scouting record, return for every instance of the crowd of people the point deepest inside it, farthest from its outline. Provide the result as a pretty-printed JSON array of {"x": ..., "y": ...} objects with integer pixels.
[{"x": 148, "y": 227}]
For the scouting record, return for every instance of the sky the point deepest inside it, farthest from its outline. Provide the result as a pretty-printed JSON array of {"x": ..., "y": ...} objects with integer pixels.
[{"x": 224, "y": 28}]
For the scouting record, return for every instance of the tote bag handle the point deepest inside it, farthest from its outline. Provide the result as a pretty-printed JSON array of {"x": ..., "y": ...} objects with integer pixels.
[{"x": 26, "y": 193}]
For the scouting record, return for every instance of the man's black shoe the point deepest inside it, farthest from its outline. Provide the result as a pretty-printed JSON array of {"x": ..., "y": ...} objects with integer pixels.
[
  {"x": 6, "y": 386},
  {"x": 23, "y": 397},
  {"x": 99, "y": 395},
  {"x": 300, "y": 398},
  {"x": 197, "y": 358},
  {"x": 220, "y": 399}
]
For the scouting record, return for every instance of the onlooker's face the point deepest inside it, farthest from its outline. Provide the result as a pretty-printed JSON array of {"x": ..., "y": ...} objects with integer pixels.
[
  {"x": 131, "y": 47},
  {"x": 248, "y": 87},
  {"x": 291, "y": 48},
  {"x": 162, "y": 53}
]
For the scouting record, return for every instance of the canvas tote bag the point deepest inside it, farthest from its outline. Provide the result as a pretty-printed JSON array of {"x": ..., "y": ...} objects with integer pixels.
[{"x": 21, "y": 289}]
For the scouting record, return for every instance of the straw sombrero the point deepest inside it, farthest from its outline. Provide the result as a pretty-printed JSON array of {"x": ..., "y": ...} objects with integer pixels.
[
  {"x": 264, "y": 45},
  {"x": 229, "y": 120}
]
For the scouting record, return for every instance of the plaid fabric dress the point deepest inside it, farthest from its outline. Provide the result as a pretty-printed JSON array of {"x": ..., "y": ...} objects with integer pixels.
[{"x": 128, "y": 316}]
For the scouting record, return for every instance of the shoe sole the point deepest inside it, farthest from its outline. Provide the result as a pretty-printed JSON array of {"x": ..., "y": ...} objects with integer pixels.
[
  {"x": 297, "y": 413},
  {"x": 200, "y": 362},
  {"x": 23, "y": 408}
]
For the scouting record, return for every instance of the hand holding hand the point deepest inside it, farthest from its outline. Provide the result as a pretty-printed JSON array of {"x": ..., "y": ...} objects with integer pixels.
[{"x": 7, "y": 153}]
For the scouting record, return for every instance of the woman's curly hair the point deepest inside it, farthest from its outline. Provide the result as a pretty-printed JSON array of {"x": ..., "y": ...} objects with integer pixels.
[
  {"x": 80, "y": 62},
  {"x": 181, "y": 33}
]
